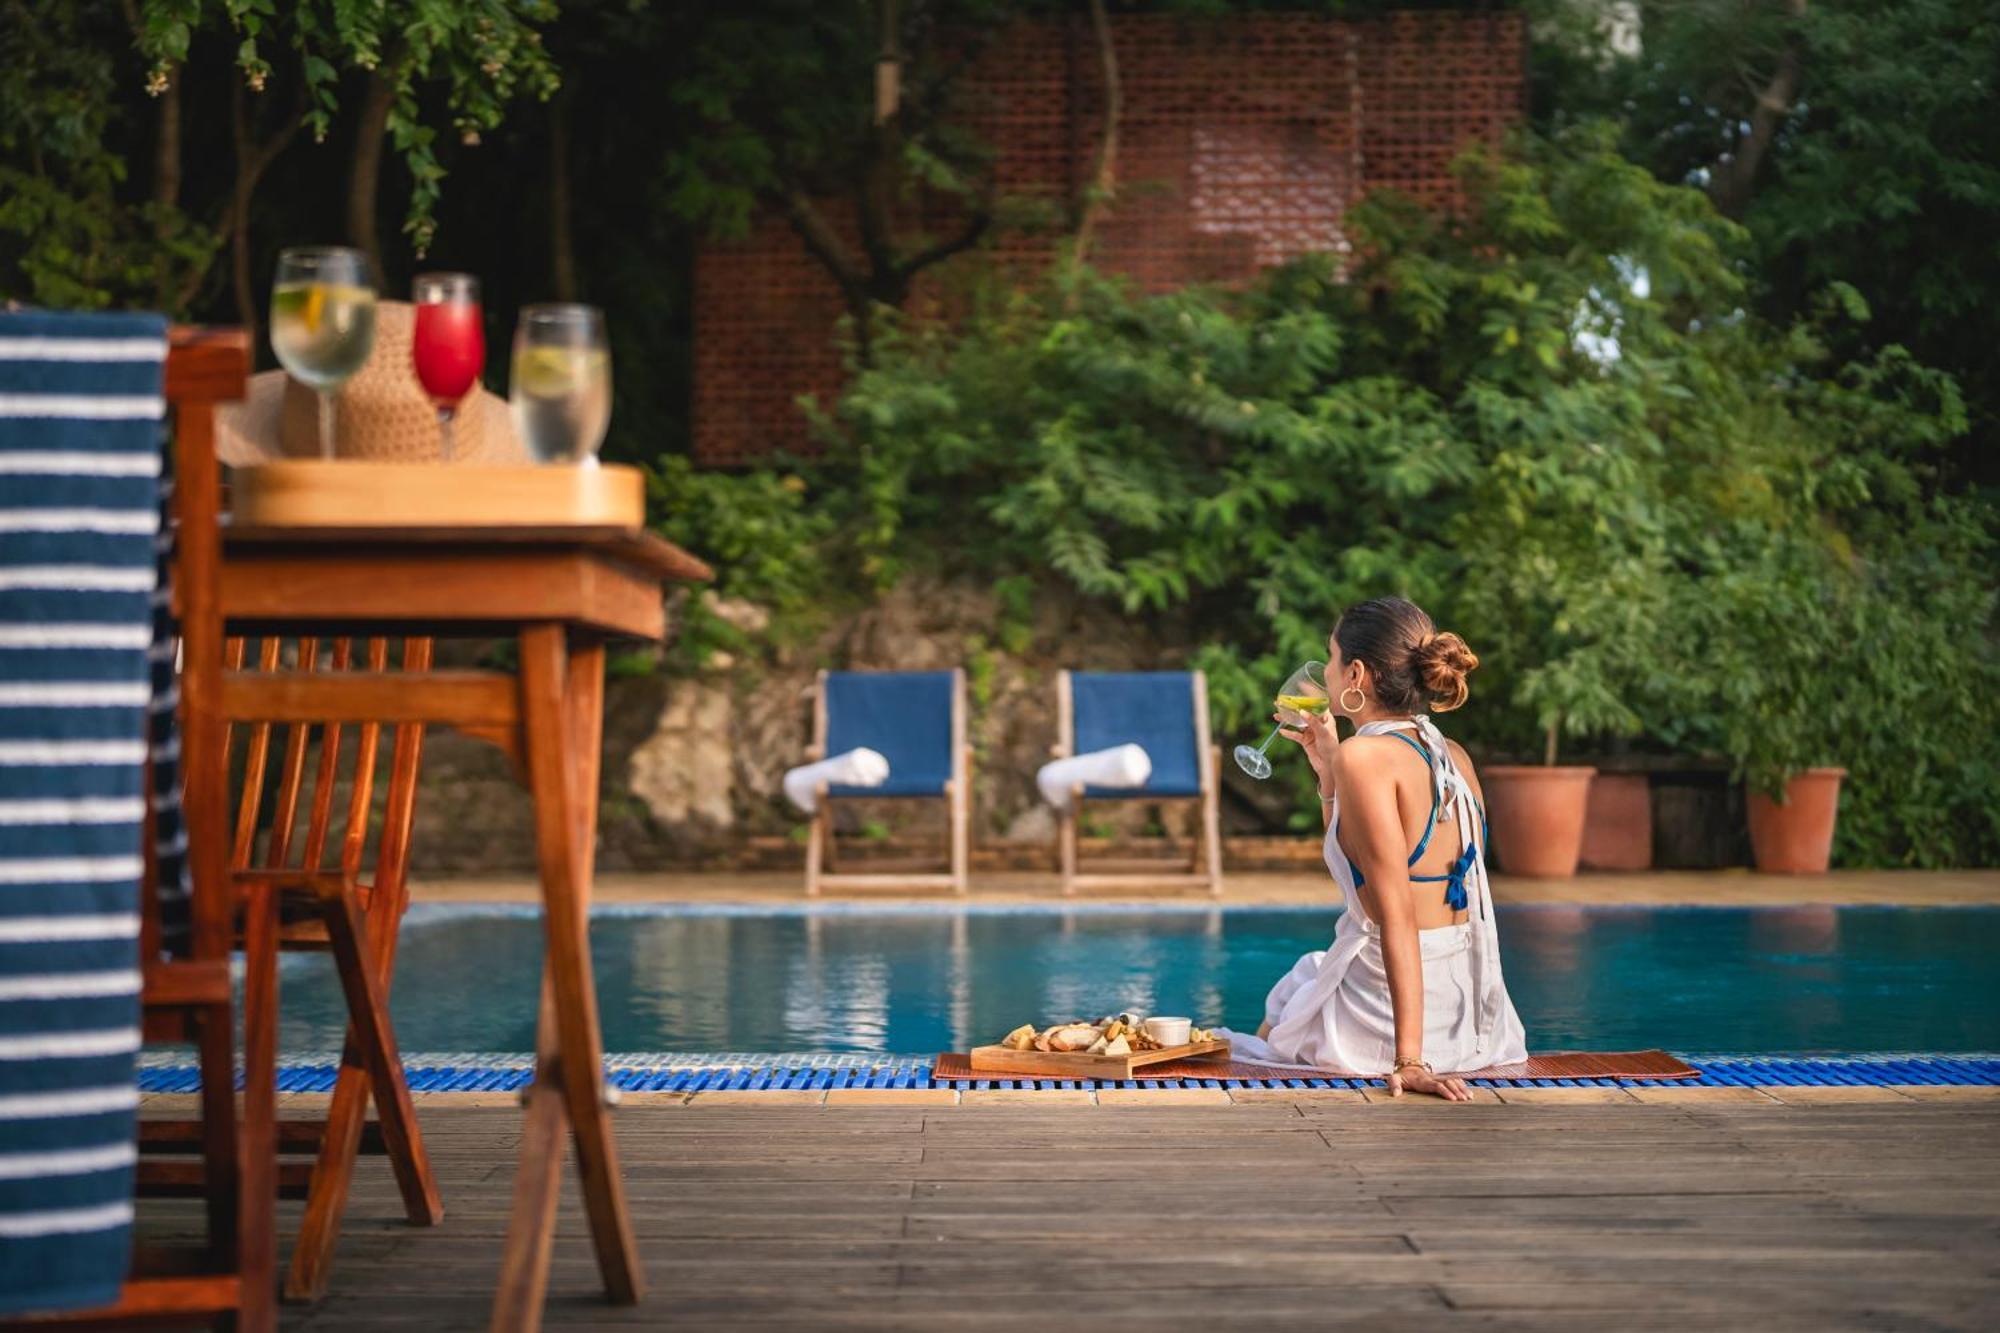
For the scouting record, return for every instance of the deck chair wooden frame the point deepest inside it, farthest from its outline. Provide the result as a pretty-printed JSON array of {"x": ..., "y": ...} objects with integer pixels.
[
  {"x": 1203, "y": 868},
  {"x": 230, "y": 1278},
  {"x": 822, "y": 849}
]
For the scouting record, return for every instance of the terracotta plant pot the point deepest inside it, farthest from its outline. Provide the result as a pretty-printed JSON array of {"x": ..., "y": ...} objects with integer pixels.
[
  {"x": 1537, "y": 815},
  {"x": 1618, "y": 828},
  {"x": 1795, "y": 837}
]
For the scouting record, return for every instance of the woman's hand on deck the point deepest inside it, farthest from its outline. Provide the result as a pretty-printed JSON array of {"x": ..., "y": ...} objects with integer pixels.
[{"x": 1415, "y": 1078}]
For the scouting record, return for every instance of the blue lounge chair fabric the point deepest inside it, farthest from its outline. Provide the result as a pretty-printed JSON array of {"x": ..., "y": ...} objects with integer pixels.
[
  {"x": 80, "y": 447},
  {"x": 1151, "y": 709},
  {"x": 906, "y": 715}
]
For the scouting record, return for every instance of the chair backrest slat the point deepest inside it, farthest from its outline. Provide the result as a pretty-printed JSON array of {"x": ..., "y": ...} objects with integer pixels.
[
  {"x": 256, "y": 757},
  {"x": 291, "y": 776},
  {"x": 329, "y": 771},
  {"x": 368, "y": 736}
]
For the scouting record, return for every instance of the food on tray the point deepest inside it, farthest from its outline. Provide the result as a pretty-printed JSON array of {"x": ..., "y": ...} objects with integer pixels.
[{"x": 1119, "y": 1035}]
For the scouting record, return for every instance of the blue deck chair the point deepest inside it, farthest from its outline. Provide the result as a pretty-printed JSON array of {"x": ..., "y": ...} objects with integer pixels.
[
  {"x": 916, "y": 719},
  {"x": 1167, "y": 713}
]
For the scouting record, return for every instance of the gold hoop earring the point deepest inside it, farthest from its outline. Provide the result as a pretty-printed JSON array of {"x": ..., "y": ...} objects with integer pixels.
[{"x": 1347, "y": 707}]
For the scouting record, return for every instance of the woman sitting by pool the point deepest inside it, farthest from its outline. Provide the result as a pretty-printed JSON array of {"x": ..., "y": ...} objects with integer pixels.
[{"x": 1411, "y": 983}]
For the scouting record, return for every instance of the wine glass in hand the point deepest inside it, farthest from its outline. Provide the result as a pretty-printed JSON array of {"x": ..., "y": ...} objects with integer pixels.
[
  {"x": 450, "y": 344},
  {"x": 1304, "y": 691}
]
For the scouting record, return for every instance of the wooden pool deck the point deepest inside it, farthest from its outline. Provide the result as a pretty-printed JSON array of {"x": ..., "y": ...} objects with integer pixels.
[
  {"x": 1306, "y": 887},
  {"x": 1723, "y": 1208}
]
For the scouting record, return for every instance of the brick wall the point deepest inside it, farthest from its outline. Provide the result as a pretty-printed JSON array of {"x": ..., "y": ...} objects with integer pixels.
[{"x": 1241, "y": 144}]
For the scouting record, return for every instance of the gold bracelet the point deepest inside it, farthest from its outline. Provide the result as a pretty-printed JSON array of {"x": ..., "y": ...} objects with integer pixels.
[{"x": 1407, "y": 1063}]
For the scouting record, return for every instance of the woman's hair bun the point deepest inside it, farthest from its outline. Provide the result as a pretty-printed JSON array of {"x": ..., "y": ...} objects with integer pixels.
[{"x": 1442, "y": 661}]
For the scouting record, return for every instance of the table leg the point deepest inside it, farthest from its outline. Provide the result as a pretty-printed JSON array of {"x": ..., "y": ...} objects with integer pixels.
[
  {"x": 561, "y": 712},
  {"x": 524, "y": 1263}
]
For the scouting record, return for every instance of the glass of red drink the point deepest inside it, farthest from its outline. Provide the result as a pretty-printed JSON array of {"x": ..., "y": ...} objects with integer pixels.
[{"x": 450, "y": 343}]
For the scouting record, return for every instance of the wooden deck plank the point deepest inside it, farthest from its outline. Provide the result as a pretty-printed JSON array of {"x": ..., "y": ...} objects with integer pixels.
[{"x": 1257, "y": 1215}]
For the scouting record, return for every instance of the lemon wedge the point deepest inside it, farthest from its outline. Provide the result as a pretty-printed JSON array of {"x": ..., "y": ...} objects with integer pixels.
[{"x": 555, "y": 372}]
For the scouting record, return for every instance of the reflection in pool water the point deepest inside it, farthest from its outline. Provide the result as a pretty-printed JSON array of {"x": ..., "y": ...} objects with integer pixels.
[{"x": 919, "y": 981}]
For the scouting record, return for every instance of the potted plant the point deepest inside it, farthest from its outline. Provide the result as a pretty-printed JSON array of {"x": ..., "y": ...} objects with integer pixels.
[
  {"x": 1777, "y": 659},
  {"x": 1569, "y": 614},
  {"x": 1537, "y": 811}
]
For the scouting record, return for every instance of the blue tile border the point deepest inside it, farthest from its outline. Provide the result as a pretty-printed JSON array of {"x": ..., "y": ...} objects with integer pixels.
[
  {"x": 434, "y": 912},
  {"x": 752, "y": 1073}
]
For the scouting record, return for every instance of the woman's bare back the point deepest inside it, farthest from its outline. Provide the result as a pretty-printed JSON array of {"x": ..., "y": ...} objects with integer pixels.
[{"x": 1412, "y": 776}]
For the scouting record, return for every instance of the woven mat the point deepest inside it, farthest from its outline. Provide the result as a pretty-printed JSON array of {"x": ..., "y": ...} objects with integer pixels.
[{"x": 1568, "y": 1064}]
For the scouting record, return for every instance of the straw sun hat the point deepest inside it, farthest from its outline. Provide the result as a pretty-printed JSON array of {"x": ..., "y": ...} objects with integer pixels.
[{"x": 382, "y": 414}]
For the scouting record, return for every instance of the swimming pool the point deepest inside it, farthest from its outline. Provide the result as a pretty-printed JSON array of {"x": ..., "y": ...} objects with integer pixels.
[{"x": 918, "y": 979}]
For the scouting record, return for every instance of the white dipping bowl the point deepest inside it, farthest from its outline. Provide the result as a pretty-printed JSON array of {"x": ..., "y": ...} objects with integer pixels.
[{"x": 1169, "y": 1031}]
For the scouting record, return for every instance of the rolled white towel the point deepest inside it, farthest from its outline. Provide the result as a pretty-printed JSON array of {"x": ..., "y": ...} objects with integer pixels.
[
  {"x": 856, "y": 768},
  {"x": 1120, "y": 766}
]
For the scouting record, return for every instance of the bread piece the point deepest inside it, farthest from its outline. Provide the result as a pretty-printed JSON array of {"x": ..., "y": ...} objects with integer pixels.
[{"x": 1073, "y": 1037}]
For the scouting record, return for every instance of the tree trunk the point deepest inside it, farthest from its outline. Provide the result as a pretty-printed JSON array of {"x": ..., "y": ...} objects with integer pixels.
[
  {"x": 248, "y": 168},
  {"x": 889, "y": 68},
  {"x": 166, "y": 159},
  {"x": 562, "y": 241},
  {"x": 1736, "y": 179},
  {"x": 879, "y": 275},
  {"x": 252, "y": 157},
  {"x": 1104, "y": 179},
  {"x": 364, "y": 179}
]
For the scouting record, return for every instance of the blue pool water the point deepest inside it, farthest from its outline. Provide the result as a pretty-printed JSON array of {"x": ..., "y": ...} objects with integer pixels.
[{"x": 920, "y": 980}]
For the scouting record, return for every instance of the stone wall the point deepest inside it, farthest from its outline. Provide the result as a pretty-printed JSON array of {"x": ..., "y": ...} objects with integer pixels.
[{"x": 692, "y": 766}]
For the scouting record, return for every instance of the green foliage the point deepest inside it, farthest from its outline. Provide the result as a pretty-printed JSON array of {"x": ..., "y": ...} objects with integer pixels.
[
  {"x": 1548, "y": 420},
  {"x": 1882, "y": 170},
  {"x": 482, "y": 53},
  {"x": 768, "y": 546},
  {"x": 65, "y": 238},
  {"x": 784, "y": 97}
]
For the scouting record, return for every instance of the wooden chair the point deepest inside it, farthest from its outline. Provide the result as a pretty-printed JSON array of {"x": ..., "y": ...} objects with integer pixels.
[
  {"x": 916, "y": 719},
  {"x": 256, "y": 892},
  {"x": 283, "y": 847},
  {"x": 1166, "y": 712},
  {"x": 231, "y": 1276}
]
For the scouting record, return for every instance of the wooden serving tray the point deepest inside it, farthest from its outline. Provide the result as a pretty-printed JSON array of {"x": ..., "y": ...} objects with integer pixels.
[
  {"x": 1077, "y": 1064},
  {"x": 316, "y": 493}
]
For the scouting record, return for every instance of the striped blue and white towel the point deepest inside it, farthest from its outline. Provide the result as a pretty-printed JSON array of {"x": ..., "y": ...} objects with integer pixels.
[{"x": 80, "y": 448}]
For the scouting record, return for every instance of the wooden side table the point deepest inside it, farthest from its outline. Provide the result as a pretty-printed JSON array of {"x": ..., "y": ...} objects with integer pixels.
[{"x": 561, "y": 593}]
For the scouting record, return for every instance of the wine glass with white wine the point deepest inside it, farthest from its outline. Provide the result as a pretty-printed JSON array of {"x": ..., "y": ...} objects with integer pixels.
[
  {"x": 323, "y": 322},
  {"x": 1304, "y": 691},
  {"x": 560, "y": 387}
]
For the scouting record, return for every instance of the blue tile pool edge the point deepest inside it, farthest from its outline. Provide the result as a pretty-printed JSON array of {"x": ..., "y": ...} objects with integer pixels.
[{"x": 746, "y": 1072}]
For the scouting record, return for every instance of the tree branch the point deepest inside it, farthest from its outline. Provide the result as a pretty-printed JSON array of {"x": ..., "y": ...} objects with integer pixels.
[
  {"x": 825, "y": 244},
  {"x": 975, "y": 227},
  {"x": 1736, "y": 179}
]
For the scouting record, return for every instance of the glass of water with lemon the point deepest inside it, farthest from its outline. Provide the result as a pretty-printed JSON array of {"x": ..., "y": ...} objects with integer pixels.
[
  {"x": 560, "y": 388},
  {"x": 323, "y": 322},
  {"x": 1304, "y": 691}
]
